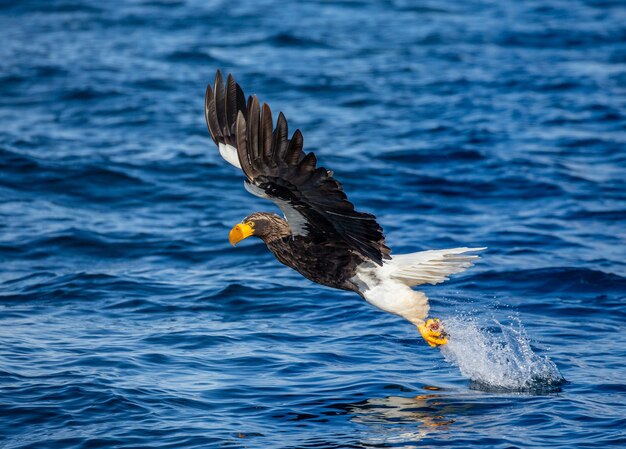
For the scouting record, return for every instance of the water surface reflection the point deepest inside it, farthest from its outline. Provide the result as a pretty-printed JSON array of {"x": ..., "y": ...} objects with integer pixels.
[{"x": 402, "y": 420}]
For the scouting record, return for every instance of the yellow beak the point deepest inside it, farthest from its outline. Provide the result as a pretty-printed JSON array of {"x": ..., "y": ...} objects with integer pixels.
[{"x": 240, "y": 232}]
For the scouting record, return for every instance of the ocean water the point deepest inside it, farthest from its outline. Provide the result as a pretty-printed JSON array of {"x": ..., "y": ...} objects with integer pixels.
[{"x": 127, "y": 320}]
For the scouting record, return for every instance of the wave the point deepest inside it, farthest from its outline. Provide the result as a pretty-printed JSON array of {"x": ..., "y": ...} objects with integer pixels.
[{"x": 551, "y": 280}]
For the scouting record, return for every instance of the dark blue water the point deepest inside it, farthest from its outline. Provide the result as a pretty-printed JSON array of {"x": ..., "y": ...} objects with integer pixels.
[{"x": 127, "y": 320}]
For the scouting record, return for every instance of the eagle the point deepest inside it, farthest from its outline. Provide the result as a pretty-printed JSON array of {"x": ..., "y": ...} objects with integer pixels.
[{"x": 320, "y": 234}]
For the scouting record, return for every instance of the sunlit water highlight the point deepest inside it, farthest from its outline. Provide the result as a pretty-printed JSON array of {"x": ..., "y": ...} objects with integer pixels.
[{"x": 500, "y": 358}]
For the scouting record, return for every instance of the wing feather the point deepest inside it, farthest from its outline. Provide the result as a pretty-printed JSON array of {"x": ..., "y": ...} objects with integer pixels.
[
  {"x": 281, "y": 140},
  {"x": 267, "y": 134},
  {"x": 220, "y": 104},
  {"x": 231, "y": 100},
  {"x": 253, "y": 130},
  {"x": 294, "y": 151},
  {"x": 209, "y": 114}
]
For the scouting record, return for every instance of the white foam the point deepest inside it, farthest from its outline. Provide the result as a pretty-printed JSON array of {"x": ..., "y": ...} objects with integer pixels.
[{"x": 501, "y": 361}]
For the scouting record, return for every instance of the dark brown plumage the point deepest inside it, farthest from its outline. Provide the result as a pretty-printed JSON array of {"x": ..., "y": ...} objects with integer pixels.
[
  {"x": 328, "y": 237},
  {"x": 324, "y": 261}
]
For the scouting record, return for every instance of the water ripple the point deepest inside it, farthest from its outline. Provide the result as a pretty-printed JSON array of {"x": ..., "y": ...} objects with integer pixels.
[{"x": 127, "y": 320}]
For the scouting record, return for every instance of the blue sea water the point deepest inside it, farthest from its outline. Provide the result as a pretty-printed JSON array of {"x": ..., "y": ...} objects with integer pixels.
[{"x": 127, "y": 320}]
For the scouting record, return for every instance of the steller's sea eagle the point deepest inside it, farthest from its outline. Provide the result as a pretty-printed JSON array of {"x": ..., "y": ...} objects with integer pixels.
[{"x": 321, "y": 235}]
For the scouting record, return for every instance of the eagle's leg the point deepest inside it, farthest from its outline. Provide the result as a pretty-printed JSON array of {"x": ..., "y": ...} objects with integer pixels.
[
  {"x": 432, "y": 331},
  {"x": 400, "y": 299},
  {"x": 415, "y": 308}
]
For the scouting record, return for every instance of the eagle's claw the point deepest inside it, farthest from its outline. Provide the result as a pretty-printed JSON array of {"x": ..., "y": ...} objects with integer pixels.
[{"x": 432, "y": 331}]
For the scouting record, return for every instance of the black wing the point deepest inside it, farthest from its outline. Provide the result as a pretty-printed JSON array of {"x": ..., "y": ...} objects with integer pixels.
[{"x": 277, "y": 168}]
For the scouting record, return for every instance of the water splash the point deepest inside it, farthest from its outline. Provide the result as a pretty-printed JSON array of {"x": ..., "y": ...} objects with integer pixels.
[{"x": 502, "y": 361}]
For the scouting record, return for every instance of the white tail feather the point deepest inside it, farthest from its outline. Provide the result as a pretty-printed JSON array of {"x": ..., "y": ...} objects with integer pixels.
[{"x": 430, "y": 267}]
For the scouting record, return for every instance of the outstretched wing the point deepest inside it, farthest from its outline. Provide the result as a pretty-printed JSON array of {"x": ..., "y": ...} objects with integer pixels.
[{"x": 277, "y": 168}]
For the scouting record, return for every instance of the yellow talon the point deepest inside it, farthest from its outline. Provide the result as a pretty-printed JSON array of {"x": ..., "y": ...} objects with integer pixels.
[{"x": 432, "y": 331}]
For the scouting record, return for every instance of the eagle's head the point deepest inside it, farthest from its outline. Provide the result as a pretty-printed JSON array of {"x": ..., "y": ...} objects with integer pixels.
[{"x": 263, "y": 225}]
